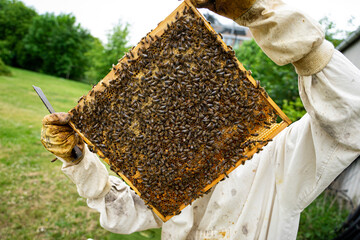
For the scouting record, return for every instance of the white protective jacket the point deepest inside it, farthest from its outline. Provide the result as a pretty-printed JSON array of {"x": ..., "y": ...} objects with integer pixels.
[{"x": 264, "y": 198}]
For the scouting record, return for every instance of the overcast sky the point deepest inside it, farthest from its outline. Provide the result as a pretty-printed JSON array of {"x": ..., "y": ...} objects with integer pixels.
[{"x": 144, "y": 15}]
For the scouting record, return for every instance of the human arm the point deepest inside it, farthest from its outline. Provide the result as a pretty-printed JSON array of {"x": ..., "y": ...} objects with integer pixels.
[
  {"x": 108, "y": 195},
  {"x": 121, "y": 210},
  {"x": 309, "y": 154},
  {"x": 292, "y": 135},
  {"x": 312, "y": 152}
]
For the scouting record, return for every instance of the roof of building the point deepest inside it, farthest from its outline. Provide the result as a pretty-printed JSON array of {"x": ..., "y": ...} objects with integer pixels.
[
  {"x": 225, "y": 28},
  {"x": 355, "y": 36}
]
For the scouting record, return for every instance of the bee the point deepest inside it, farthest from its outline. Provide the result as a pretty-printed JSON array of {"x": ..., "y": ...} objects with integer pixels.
[
  {"x": 164, "y": 114},
  {"x": 185, "y": 10}
]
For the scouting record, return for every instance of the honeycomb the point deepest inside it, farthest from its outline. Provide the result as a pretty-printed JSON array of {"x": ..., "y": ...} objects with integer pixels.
[{"x": 177, "y": 113}]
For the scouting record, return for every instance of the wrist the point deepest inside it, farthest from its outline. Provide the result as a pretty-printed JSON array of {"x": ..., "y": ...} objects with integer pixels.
[
  {"x": 316, "y": 60},
  {"x": 71, "y": 159}
]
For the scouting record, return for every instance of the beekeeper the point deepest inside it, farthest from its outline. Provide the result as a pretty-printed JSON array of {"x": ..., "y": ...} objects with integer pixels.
[{"x": 264, "y": 198}]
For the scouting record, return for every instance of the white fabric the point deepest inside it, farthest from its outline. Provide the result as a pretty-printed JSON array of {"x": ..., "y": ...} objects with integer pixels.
[
  {"x": 90, "y": 176},
  {"x": 315, "y": 61},
  {"x": 347, "y": 185},
  {"x": 264, "y": 198},
  {"x": 287, "y": 35}
]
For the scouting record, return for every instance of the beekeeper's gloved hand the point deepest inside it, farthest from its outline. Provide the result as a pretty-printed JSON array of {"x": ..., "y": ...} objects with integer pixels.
[
  {"x": 59, "y": 138},
  {"x": 227, "y": 8}
]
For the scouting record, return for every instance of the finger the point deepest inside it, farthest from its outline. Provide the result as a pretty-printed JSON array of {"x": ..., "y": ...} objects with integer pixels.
[
  {"x": 60, "y": 118},
  {"x": 209, "y": 4},
  {"x": 78, "y": 139},
  {"x": 45, "y": 139},
  {"x": 56, "y": 135},
  {"x": 60, "y": 145},
  {"x": 54, "y": 130}
]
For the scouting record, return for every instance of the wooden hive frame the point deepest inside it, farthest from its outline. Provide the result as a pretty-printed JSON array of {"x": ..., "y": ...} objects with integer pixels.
[{"x": 158, "y": 31}]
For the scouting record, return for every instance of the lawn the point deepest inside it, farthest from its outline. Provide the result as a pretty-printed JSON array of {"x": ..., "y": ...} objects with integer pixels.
[{"x": 39, "y": 202}]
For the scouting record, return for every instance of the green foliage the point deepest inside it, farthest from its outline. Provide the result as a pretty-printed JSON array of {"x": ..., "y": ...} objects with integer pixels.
[
  {"x": 293, "y": 109},
  {"x": 56, "y": 45},
  {"x": 322, "y": 218},
  {"x": 101, "y": 58},
  {"x": 96, "y": 67},
  {"x": 4, "y": 70},
  {"x": 15, "y": 20},
  {"x": 279, "y": 81},
  {"x": 116, "y": 46}
]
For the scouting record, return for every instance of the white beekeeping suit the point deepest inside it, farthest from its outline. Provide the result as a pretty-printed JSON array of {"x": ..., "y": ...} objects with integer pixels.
[{"x": 264, "y": 198}]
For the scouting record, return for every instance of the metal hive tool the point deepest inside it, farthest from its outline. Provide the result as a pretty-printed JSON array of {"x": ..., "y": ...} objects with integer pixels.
[{"x": 177, "y": 114}]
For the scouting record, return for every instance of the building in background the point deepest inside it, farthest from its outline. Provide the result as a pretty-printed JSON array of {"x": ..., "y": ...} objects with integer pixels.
[
  {"x": 350, "y": 47},
  {"x": 233, "y": 34}
]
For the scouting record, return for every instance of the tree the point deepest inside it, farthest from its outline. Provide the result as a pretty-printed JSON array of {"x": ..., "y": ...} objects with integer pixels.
[
  {"x": 56, "y": 45},
  {"x": 101, "y": 58},
  {"x": 279, "y": 81},
  {"x": 96, "y": 66},
  {"x": 15, "y": 20},
  {"x": 116, "y": 46}
]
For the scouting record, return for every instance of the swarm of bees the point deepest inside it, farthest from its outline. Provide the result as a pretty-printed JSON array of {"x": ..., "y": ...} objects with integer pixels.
[{"x": 177, "y": 116}]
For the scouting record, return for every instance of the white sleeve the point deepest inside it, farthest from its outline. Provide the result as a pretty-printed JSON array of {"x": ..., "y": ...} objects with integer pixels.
[
  {"x": 313, "y": 151},
  {"x": 287, "y": 35},
  {"x": 121, "y": 210},
  {"x": 332, "y": 98},
  {"x": 310, "y": 153}
]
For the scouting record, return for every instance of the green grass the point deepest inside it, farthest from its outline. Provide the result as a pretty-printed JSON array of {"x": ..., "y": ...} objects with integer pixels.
[
  {"x": 323, "y": 217},
  {"x": 39, "y": 202}
]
